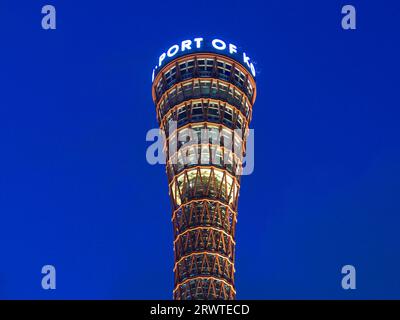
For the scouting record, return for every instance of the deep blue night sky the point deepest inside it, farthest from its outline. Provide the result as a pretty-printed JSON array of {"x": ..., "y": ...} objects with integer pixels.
[{"x": 76, "y": 190}]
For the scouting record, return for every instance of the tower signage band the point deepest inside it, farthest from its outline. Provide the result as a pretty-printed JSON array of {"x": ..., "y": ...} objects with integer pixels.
[{"x": 204, "y": 45}]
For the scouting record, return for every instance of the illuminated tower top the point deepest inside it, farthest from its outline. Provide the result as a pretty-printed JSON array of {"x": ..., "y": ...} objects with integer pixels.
[{"x": 204, "y": 91}]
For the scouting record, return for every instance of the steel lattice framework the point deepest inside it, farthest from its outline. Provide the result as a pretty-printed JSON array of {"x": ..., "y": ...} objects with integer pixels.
[{"x": 211, "y": 92}]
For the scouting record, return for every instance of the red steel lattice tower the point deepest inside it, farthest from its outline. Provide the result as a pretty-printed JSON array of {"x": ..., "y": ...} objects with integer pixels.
[{"x": 204, "y": 91}]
